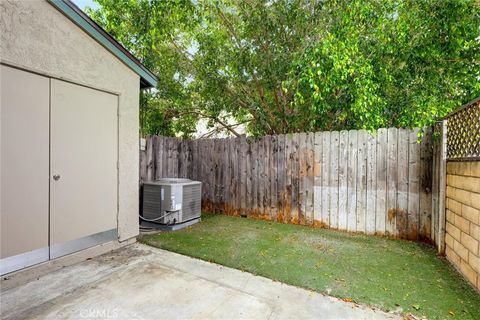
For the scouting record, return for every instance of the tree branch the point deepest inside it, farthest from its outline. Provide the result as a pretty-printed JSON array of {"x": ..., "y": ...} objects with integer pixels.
[{"x": 214, "y": 118}]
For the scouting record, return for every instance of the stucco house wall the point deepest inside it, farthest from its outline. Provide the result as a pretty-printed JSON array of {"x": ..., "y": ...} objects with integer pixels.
[{"x": 37, "y": 37}]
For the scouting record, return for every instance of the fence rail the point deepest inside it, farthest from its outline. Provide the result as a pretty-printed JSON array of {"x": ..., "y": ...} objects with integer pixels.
[{"x": 347, "y": 180}]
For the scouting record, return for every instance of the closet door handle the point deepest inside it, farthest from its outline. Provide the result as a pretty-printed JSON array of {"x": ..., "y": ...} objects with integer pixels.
[{"x": 56, "y": 177}]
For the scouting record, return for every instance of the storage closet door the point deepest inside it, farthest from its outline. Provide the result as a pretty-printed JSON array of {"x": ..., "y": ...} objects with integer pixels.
[
  {"x": 24, "y": 113},
  {"x": 83, "y": 178}
]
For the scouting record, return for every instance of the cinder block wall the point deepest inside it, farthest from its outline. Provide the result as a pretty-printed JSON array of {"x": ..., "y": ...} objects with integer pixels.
[{"x": 463, "y": 218}]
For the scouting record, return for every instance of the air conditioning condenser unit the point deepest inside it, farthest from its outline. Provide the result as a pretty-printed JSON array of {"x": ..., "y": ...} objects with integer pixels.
[{"x": 171, "y": 203}]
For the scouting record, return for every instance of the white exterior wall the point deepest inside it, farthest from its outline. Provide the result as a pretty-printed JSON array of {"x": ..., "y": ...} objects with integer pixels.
[{"x": 35, "y": 36}]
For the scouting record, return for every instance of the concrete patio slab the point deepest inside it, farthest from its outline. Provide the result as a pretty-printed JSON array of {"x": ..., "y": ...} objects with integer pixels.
[{"x": 140, "y": 282}]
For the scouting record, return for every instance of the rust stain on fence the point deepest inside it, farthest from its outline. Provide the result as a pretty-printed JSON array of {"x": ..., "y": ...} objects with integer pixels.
[
  {"x": 412, "y": 231},
  {"x": 257, "y": 214},
  {"x": 288, "y": 204},
  {"x": 392, "y": 213},
  {"x": 404, "y": 229},
  {"x": 320, "y": 224},
  {"x": 401, "y": 223},
  {"x": 281, "y": 207},
  {"x": 207, "y": 205}
]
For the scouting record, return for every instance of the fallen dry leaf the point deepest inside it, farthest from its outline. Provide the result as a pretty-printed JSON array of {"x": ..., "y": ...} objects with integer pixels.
[{"x": 416, "y": 306}]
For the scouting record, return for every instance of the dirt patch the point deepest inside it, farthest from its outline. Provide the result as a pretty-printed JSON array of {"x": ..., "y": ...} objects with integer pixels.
[{"x": 120, "y": 257}]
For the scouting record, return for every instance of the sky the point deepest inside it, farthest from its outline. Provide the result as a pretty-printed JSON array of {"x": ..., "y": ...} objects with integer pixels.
[{"x": 85, "y": 3}]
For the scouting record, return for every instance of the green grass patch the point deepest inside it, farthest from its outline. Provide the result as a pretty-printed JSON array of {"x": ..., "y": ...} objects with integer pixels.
[{"x": 386, "y": 273}]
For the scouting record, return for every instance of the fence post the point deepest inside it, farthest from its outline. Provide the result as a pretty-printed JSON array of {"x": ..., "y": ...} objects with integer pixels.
[
  {"x": 150, "y": 156},
  {"x": 143, "y": 161},
  {"x": 442, "y": 189}
]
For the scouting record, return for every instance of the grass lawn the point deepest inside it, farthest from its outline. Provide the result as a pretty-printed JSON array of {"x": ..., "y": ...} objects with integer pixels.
[{"x": 389, "y": 274}]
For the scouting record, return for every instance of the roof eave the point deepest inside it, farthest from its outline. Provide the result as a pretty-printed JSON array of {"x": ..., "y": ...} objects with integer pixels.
[{"x": 71, "y": 11}]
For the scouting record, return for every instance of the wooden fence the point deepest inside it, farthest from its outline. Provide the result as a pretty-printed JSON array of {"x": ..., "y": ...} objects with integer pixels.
[{"x": 347, "y": 180}]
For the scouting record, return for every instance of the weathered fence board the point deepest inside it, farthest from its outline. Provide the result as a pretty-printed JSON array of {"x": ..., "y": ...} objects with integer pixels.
[
  {"x": 158, "y": 156},
  {"x": 426, "y": 177},
  {"x": 342, "y": 180},
  {"x": 295, "y": 178},
  {"x": 281, "y": 177},
  {"x": 413, "y": 185},
  {"x": 361, "y": 180},
  {"x": 325, "y": 175},
  {"x": 255, "y": 179},
  {"x": 317, "y": 180},
  {"x": 349, "y": 180},
  {"x": 309, "y": 178},
  {"x": 402, "y": 183},
  {"x": 391, "y": 180},
  {"x": 381, "y": 188},
  {"x": 371, "y": 184},
  {"x": 333, "y": 179},
  {"x": 352, "y": 181},
  {"x": 150, "y": 163},
  {"x": 288, "y": 178}
]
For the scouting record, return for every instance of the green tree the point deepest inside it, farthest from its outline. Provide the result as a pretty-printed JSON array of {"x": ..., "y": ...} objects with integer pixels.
[
  {"x": 296, "y": 65},
  {"x": 390, "y": 63},
  {"x": 152, "y": 31}
]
